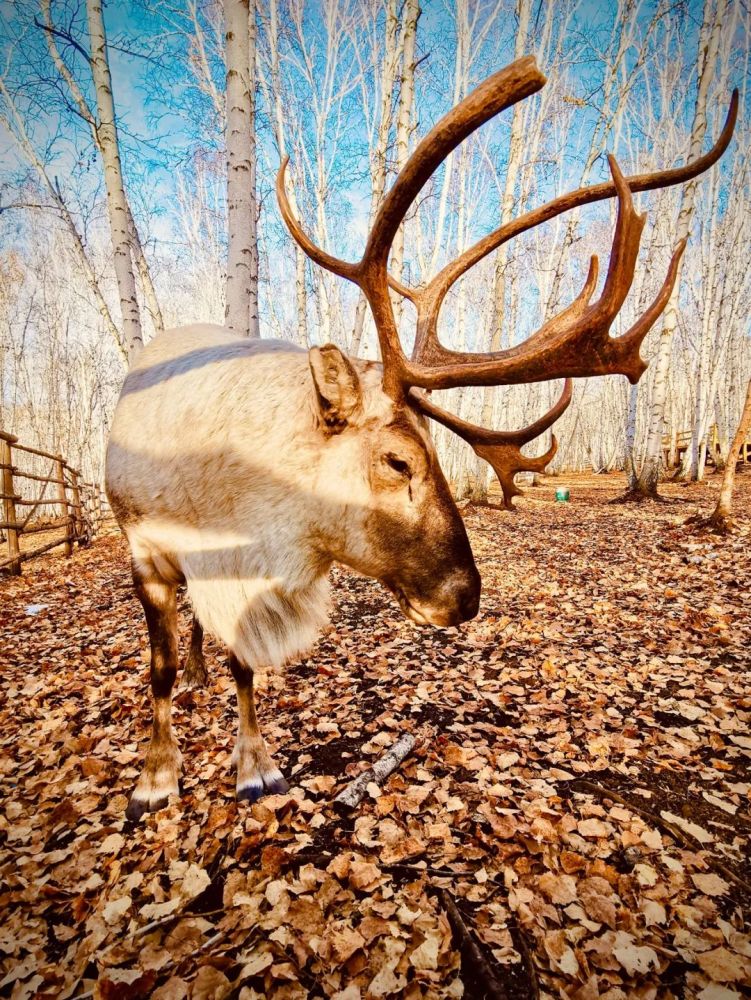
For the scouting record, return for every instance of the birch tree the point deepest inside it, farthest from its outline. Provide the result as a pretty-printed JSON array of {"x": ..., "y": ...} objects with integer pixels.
[
  {"x": 479, "y": 486},
  {"x": 646, "y": 484},
  {"x": 270, "y": 79},
  {"x": 379, "y": 144},
  {"x": 407, "y": 43},
  {"x": 117, "y": 202},
  {"x": 242, "y": 252},
  {"x": 95, "y": 128},
  {"x": 720, "y": 519}
]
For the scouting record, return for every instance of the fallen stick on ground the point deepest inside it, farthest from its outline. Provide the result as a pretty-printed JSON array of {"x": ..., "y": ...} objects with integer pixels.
[
  {"x": 353, "y": 794},
  {"x": 493, "y": 990},
  {"x": 683, "y": 838}
]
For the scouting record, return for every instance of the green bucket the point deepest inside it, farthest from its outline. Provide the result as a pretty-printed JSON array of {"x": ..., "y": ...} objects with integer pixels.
[{"x": 562, "y": 495}]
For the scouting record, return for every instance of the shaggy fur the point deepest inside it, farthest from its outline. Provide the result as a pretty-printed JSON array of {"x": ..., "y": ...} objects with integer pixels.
[
  {"x": 223, "y": 473},
  {"x": 195, "y": 462}
]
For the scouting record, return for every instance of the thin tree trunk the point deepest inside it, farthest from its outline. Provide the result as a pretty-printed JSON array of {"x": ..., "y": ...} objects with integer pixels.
[
  {"x": 378, "y": 169},
  {"x": 693, "y": 464},
  {"x": 404, "y": 125},
  {"x": 274, "y": 101},
  {"x": 144, "y": 272},
  {"x": 254, "y": 324},
  {"x": 633, "y": 398},
  {"x": 241, "y": 209},
  {"x": 709, "y": 41},
  {"x": 720, "y": 518},
  {"x": 152, "y": 301},
  {"x": 508, "y": 202},
  {"x": 117, "y": 204}
]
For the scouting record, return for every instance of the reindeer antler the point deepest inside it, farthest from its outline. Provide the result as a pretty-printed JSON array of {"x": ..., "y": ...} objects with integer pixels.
[
  {"x": 575, "y": 343},
  {"x": 502, "y": 450}
]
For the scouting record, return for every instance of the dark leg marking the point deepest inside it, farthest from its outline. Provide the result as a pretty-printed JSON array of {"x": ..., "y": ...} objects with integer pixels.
[
  {"x": 159, "y": 778},
  {"x": 195, "y": 673}
]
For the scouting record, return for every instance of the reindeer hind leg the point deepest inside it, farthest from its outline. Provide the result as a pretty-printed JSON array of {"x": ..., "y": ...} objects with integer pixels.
[
  {"x": 160, "y": 776},
  {"x": 195, "y": 673}
]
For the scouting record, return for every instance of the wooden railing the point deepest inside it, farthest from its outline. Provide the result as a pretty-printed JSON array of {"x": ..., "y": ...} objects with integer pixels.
[
  {"x": 31, "y": 496},
  {"x": 676, "y": 449}
]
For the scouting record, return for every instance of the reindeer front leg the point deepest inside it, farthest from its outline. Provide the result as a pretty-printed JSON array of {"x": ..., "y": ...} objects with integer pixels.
[
  {"x": 159, "y": 778},
  {"x": 256, "y": 771}
]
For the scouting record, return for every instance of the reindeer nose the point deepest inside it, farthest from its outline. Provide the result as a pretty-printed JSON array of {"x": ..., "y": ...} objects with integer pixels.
[{"x": 468, "y": 598}]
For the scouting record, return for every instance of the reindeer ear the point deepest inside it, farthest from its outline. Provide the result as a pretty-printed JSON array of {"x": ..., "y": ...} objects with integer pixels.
[{"x": 337, "y": 386}]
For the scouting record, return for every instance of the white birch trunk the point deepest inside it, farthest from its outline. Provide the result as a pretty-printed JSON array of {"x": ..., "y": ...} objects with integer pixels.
[
  {"x": 241, "y": 209},
  {"x": 254, "y": 325},
  {"x": 144, "y": 273},
  {"x": 275, "y": 103},
  {"x": 152, "y": 300},
  {"x": 117, "y": 205},
  {"x": 508, "y": 204},
  {"x": 378, "y": 162},
  {"x": 404, "y": 126},
  {"x": 708, "y": 42},
  {"x": 721, "y": 515},
  {"x": 633, "y": 398}
]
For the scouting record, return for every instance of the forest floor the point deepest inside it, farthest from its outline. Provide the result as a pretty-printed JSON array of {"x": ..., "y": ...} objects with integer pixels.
[{"x": 581, "y": 786}]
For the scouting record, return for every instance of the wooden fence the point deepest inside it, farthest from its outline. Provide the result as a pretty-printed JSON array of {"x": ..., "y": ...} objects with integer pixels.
[
  {"x": 674, "y": 448},
  {"x": 44, "y": 495}
]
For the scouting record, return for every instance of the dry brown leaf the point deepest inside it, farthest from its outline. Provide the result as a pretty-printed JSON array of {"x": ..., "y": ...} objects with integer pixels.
[
  {"x": 725, "y": 966},
  {"x": 558, "y": 888},
  {"x": 710, "y": 884}
]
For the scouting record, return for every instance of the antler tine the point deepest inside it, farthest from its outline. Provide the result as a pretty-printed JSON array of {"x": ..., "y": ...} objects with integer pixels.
[
  {"x": 575, "y": 343},
  {"x": 413, "y": 294},
  {"x": 437, "y": 289},
  {"x": 632, "y": 339},
  {"x": 316, "y": 254},
  {"x": 507, "y": 460},
  {"x": 476, "y": 435},
  {"x": 504, "y": 88},
  {"x": 502, "y": 449},
  {"x": 628, "y": 229}
]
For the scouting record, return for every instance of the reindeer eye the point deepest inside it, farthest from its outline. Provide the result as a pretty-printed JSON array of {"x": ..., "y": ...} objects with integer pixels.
[{"x": 398, "y": 466}]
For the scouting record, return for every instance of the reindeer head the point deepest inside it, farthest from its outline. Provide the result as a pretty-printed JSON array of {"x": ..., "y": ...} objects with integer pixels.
[
  {"x": 575, "y": 343},
  {"x": 394, "y": 518}
]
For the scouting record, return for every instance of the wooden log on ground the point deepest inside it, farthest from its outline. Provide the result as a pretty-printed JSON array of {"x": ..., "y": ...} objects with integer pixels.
[{"x": 353, "y": 794}]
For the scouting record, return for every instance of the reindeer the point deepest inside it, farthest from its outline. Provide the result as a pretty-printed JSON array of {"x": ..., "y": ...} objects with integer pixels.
[{"x": 244, "y": 469}]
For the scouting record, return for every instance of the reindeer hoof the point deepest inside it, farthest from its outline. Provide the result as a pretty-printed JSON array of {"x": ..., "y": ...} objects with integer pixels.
[
  {"x": 275, "y": 783},
  {"x": 159, "y": 779},
  {"x": 270, "y": 783},
  {"x": 250, "y": 791},
  {"x": 137, "y": 807}
]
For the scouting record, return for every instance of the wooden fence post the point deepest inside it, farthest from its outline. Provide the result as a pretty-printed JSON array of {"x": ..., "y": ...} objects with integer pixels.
[
  {"x": 79, "y": 523},
  {"x": 101, "y": 502},
  {"x": 62, "y": 499},
  {"x": 9, "y": 502}
]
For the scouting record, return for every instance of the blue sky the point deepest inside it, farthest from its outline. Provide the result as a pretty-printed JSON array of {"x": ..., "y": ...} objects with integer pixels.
[{"x": 158, "y": 143}]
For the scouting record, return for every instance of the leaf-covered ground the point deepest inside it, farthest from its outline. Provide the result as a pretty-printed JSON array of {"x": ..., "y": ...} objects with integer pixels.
[{"x": 580, "y": 789}]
